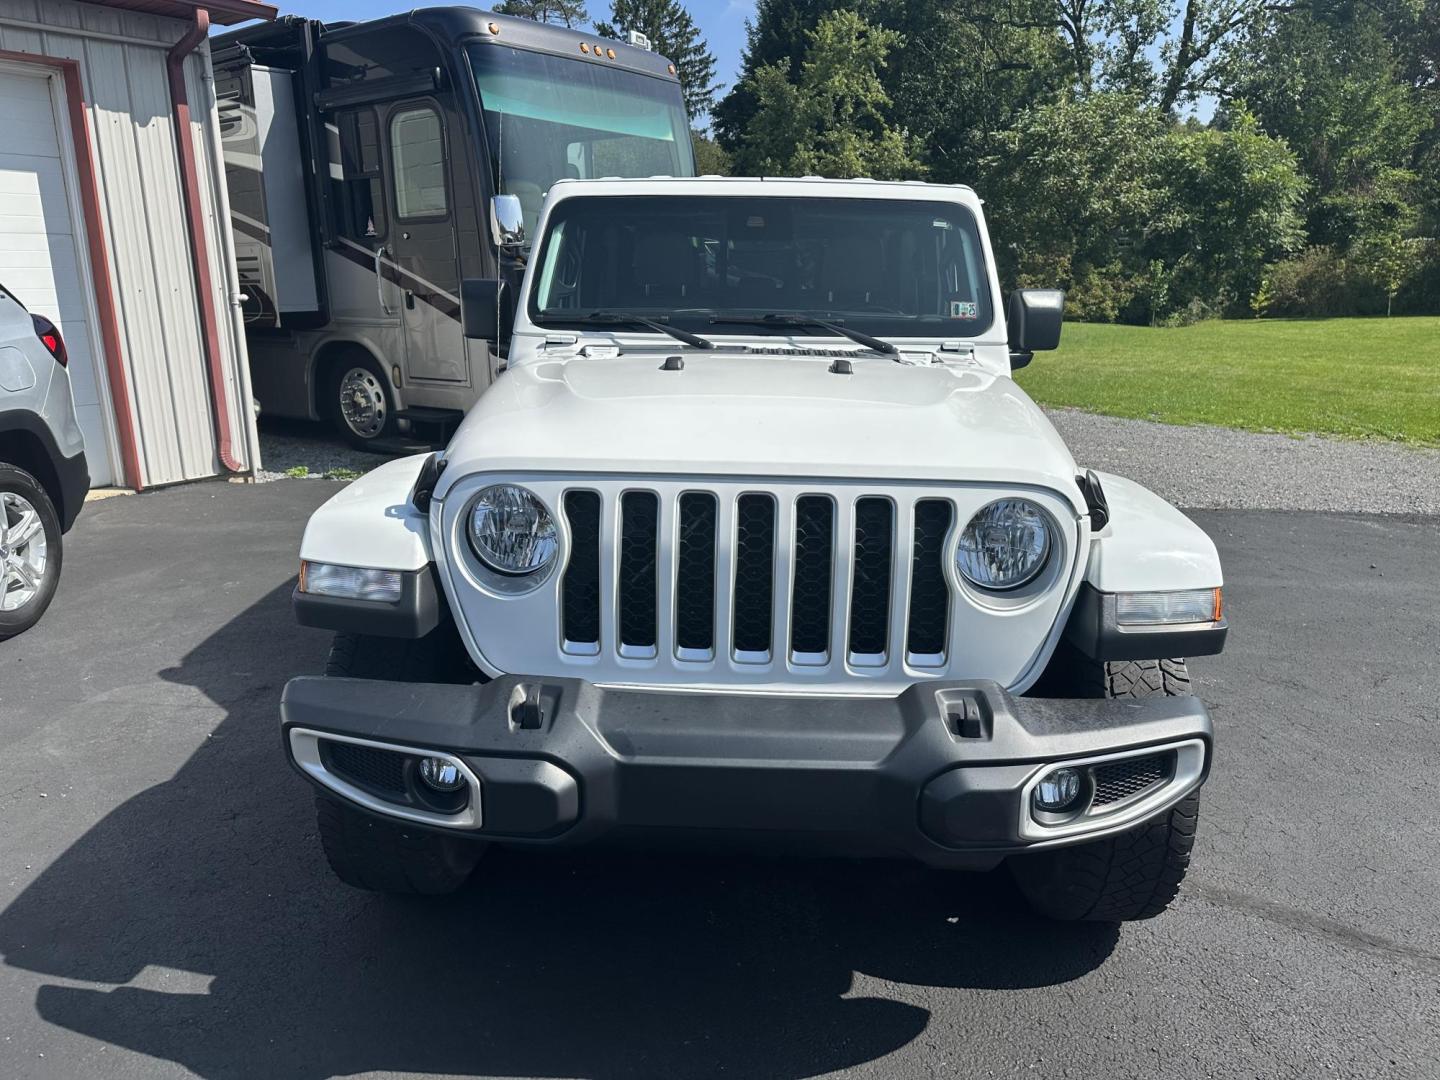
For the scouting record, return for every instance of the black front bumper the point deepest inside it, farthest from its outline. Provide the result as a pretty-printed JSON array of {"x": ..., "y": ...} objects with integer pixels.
[{"x": 940, "y": 773}]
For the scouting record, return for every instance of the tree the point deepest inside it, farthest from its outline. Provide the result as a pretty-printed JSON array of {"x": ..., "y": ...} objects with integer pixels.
[
  {"x": 569, "y": 13},
  {"x": 1389, "y": 261},
  {"x": 777, "y": 34},
  {"x": 966, "y": 71},
  {"x": 831, "y": 121},
  {"x": 1070, "y": 188},
  {"x": 1231, "y": 198},
  {"x": 1328, "y": 82},
  {"x": 672, "y": 33},
  {"x": 710, "y": 157}
]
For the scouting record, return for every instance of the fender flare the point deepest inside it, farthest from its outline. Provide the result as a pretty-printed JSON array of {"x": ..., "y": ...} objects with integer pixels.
[
  {"x": 374, "y": 523},
  {"x": 1147, "y": 546}
]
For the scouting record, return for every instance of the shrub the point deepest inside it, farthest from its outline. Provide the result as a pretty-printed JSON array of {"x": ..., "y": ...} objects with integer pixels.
[
  {"x": 1315, "y": 282},
  {"x": 1420, "y": 295}
]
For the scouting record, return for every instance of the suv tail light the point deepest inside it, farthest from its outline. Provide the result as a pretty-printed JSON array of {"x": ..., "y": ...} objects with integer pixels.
[{"x": 49, "y": 335}]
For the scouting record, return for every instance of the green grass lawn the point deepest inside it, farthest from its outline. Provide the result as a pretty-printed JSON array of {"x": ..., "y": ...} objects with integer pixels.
[{"x": 1361, "y": 378}]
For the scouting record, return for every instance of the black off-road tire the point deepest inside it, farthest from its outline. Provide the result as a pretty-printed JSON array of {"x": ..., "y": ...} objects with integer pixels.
[
  {"x": 438, "y": 657},
  {"x": 391, "y": 856},
  {"x": 17, "y": 480},
  {"x": 1135, "y": 874}
]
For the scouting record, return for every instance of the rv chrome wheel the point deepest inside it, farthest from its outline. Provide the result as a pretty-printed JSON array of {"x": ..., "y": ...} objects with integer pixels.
[
  {"x": 363, "y": 404},
  {"x": 24, "y": 552}
]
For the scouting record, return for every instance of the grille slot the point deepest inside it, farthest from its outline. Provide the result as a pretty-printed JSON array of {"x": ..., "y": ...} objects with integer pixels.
[
  {"x": 870, "y": 589},
  {"x": 639, "y": 529},
  {"x": 1125, "y": 779},
  {"x": 810, "y": 601},
  {"x": 929, "y": 593},
  {"x": 580, "y": 587},
  {"x": 695, "y": 577},
  {"x": 379, "y": 771},
  {"x": 754, "y": 576}
]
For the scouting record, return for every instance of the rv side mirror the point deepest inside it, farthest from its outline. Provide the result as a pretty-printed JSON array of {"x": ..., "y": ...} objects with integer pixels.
[
  {"x": 507, "y": 221},
  {"x": 485, "y": 310},
  {"x": 1033, "y": 320}
]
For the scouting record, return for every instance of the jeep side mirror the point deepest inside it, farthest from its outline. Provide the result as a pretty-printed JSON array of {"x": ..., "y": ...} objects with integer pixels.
[
  {"x": 1033, "y": 320},
  {"x": 486, "y": 310},
  {"x": 507, "y": 221}
]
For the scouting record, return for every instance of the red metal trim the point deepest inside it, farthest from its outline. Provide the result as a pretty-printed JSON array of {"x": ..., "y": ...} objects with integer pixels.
[
  {"x": 225, "y": 12},
  {"x": 83, "y": 146},
  {"x": 199, "y": 247}
]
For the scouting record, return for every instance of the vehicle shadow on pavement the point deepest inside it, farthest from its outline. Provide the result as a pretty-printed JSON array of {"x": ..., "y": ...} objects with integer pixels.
[{"x": 204, "y": 908}]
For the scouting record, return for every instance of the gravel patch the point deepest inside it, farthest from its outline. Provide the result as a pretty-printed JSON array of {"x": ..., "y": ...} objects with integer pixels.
[
  {"x": 286, "y": 449},
  {"x": 1204, "y": 467}
]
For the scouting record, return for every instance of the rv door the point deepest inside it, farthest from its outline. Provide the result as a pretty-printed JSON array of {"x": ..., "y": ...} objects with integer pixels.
[
  {"x": 365, "y": 288},
  {"x": 422, "y": 241}
]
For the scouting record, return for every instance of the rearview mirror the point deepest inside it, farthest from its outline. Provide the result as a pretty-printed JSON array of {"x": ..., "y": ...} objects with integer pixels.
[
  {"x": 507, "y": 221},
  {"x": 1033, "y": 321},
  {"x": 486, "y": 310}
]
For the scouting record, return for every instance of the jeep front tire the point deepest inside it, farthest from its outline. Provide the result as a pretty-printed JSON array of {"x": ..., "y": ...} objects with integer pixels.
[
  {"x": 1137, "y": 873},
  {"x": 370, "y": 852}
]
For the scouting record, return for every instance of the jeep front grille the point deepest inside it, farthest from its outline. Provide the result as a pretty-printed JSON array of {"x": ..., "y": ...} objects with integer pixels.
[
  {"x": 803, "y": 575},
  {"x": 779, "y": 584}
]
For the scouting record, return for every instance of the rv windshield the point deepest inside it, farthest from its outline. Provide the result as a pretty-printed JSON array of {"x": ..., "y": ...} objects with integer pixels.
[{"x": 548, "y": 117}]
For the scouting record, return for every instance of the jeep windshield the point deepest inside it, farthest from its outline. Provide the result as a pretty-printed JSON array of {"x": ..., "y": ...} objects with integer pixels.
[
  {"x": 766, "y": 265},
  {"x": 550, "y": 117}
]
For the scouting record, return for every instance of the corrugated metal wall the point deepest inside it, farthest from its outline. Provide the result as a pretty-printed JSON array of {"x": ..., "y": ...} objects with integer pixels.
[{"x": 122, "y": 58}]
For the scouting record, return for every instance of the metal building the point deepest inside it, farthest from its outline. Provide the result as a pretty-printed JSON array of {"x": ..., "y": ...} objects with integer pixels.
[{"x": 119, "y": 232}]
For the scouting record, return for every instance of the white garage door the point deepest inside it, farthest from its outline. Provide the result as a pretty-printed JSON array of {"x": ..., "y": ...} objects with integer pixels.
[{"x": 41, "y": 244}]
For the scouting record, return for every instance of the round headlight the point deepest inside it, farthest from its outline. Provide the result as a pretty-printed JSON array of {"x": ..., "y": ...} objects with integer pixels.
[
  {"x": 1005, "y": 545},
  {"x": 511, "y": 530}
]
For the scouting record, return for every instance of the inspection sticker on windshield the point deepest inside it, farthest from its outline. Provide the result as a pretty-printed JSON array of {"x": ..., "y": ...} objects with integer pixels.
[{"x": 964, "y": 309}]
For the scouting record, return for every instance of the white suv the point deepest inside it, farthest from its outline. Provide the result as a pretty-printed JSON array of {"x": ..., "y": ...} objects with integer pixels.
[
  {"x": 43, "y": 475},
  {"x": 758, "y": 539}
]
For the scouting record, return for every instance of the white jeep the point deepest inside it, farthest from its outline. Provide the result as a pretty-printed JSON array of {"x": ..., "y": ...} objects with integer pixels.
[{"x": 757, "y": 539}]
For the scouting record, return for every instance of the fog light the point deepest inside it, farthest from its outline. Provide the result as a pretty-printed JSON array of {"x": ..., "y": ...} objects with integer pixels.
[
  {"x": 442, "y": 774},
  {"x": 1058, "y": 790}
]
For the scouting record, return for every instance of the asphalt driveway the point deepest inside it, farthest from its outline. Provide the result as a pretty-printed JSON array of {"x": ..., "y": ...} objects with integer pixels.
[{"x": 164, "y": 908}]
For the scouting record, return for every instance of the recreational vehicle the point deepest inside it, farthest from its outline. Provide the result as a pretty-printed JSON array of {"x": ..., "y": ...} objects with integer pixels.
[{"x": 372, "y": 167}]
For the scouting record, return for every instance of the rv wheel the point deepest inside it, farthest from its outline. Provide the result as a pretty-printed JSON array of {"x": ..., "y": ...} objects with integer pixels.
[{"x": 360, "y": 402}]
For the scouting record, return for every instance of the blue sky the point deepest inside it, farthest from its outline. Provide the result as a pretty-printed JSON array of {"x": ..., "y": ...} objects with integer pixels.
[{"x": 721, "y": 21}]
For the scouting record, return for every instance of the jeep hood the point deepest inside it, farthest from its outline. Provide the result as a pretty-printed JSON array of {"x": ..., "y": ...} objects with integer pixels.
[{"x": 761, "y": 415}]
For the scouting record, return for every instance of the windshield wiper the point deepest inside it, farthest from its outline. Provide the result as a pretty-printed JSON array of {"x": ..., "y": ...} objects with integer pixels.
[
  {"x": 625, "y": 318},
  {"x": 810, "y": 322}
]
